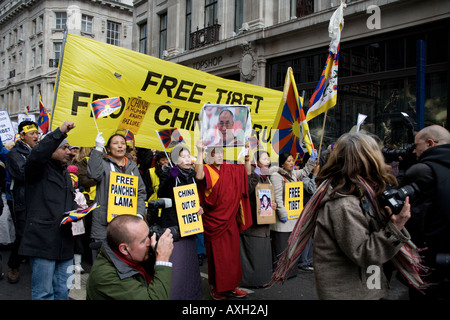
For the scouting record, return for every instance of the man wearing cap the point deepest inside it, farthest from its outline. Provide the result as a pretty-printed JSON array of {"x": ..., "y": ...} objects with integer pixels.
[
  {"x": 15, "y": 164},
  {"x": 49, "y": 194}
]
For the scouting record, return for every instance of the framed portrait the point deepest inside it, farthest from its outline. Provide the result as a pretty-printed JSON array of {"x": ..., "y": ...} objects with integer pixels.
[
  {"x": 264, "y": 197},
  {"x": 225, "y": 125}
]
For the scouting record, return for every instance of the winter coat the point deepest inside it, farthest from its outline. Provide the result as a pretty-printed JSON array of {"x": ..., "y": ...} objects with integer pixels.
[
  {"x": 278, "y": 178},
  {"x": 15, "y": 164},
  {"x": 49, "y": 194},
  {"x": 112, "y": 279},
  {"x": 99, "y": 169},
  {"x": 348, "y": 254}
]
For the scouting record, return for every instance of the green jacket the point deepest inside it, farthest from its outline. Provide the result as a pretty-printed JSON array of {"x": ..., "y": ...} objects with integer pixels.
[{"x": 112, "y": 279}]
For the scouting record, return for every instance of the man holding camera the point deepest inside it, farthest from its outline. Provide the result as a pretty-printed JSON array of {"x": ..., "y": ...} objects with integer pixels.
[
  {"x": 119, "y": 272},
  {"x": 429, "y": 225}
]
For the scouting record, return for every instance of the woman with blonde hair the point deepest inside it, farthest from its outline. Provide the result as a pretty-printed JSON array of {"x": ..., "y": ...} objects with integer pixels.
[{"x": 353, "y": 235}]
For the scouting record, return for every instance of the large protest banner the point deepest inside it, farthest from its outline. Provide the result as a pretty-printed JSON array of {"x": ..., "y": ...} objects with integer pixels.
[{"x": 90, "y": 70}]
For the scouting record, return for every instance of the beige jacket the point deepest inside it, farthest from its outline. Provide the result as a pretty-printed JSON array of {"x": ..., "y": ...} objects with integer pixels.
[
  {"x": 278, "y": 178},
  {"x": 348, "y": 254}
]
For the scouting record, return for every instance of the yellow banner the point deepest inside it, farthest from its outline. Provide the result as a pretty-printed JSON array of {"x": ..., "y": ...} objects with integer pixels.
[
  {"x": 92, "y": 70},
  {"x": 187, "y": 206},
  {"x": 123, "y": 193},
  {"x": 293, "y": 199}
]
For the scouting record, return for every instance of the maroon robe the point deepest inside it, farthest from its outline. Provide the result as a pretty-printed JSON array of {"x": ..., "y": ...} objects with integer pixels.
[{"x": 224, "y": 197}]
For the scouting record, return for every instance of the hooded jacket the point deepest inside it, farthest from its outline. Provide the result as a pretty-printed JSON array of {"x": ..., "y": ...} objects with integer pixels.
[
  {"x": 99, "y": 169},
  {"x": 430, "y": 210}
]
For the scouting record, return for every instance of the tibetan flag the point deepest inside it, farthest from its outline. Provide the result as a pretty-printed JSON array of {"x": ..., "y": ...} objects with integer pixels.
[
  {"x": 129, "y": 138},
  {"x": 104, "y": 107},
  {"x": 291, "y": 127},
  {"x": 255, "y": 144},
  {"x": 170, "y": 137},
  {"x": 78, "y": 214},
  {"x": 43, "y": 121},
  {"x": 325, "y": 94}
]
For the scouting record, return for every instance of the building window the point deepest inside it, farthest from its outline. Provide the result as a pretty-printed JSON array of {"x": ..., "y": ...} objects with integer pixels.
[
  {"x": 33, "y": 26},
  {"x": 143, "y": 38},
  {"x": 239, "y": 14},
  {"x": 210, "y": 12},
  {"x": 188, "y": 23},
  {"x": 56, "y": 54},
  {"x": 40, "y": 55},
  {"x": 86, "y": 23},
  {"x": 301, "y": 8},
  {"x": 162, "y": 34},
  {"x": 61, "y": 19},
  {"x": 113, "y": 33},
  {"x": 41, "y": 23},
  {"x": 33, "y": 58}
]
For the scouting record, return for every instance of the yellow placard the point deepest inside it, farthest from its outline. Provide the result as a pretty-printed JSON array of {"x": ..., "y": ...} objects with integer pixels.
[
  {"x": 133, "y": 115},
  {"x": 187, "y": 206},
  {"x": 293, "y": 199},
  {"x": 176, "y": 94},
  {"x": 122, "y": 195}
]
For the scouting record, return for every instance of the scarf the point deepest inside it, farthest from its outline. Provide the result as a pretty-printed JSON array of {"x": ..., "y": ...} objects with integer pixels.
[
  {"x": 407, "y": 260},
  {"x": 134, "y": 265}
]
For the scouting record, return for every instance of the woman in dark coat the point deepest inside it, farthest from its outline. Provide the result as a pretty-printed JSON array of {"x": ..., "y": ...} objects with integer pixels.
[
  {"x": 186, "y": 280},
  {"x": 256, "y": 249}
]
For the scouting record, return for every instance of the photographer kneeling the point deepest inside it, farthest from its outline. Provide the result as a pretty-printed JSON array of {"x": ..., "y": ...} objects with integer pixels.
[{"x": 118, "y": 273}]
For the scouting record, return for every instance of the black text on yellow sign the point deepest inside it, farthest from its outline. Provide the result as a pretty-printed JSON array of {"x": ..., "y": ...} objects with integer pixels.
[
  {"x": 293, "y": 199},
  {"x": 187, "y": 206},
  {"x": 122, "y": 197}
]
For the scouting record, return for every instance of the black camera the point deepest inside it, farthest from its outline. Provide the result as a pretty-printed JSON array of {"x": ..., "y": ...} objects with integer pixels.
[
  {"x": 160, "y": 230},
  {"x": 153, "y": 220},
  {"x": 395, "y": 198},
  {"x": 394, "y": 154}
]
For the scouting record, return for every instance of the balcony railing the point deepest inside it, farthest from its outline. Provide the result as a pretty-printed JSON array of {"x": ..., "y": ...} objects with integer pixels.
[{"x": 205, "y": 36}]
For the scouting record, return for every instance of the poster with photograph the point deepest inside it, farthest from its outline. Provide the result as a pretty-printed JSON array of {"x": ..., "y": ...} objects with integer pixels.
[
  {"x": 264, "y": 198},
  {"x": 226, "y": 126}
]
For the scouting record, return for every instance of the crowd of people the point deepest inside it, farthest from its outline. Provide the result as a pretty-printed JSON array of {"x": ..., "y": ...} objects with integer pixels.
[{"x": 344, "y": 230}]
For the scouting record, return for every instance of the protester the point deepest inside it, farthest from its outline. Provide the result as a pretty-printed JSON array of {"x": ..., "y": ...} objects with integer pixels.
[
  {"x": 223, "y": 191},
  {"x": 119, "y": 273},
  {"x": 285, "y": 173},
  {"x": 161, "y": 160},
  {"x": 15, "y": 164},
  {"x": 353, "y": 235},
  {"x": 49, "y": 194},
  {"x": 186, "y": 280},
  {"x": 78, "y": 229},
  {"x": 256, "y": 250},
  {"x": 99, "y": 169},
  {"x": 430, "y": 208}
]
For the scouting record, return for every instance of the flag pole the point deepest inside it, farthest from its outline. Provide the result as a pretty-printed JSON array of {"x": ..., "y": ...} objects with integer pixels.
[
  {"x": 95, "y": 121},
  {"x": 323, "y": 132}
]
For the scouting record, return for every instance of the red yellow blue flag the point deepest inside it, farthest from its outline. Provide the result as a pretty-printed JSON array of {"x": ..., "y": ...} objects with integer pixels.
[
  {"x": 104, "y": 107},
  {"x": 325, "y": 95},
  {"x": 170, "y": 137},
  {"x": 292, "y": 130},
  {"x": 78, "y": 214},
  {"x": 43, "y": 120}
]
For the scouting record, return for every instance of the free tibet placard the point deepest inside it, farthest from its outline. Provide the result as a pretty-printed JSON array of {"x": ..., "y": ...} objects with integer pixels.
[
  {"x": 187, "y": 206},
  {"x": 123, "y": 194},
  {"x": 293, "y": 199}
]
